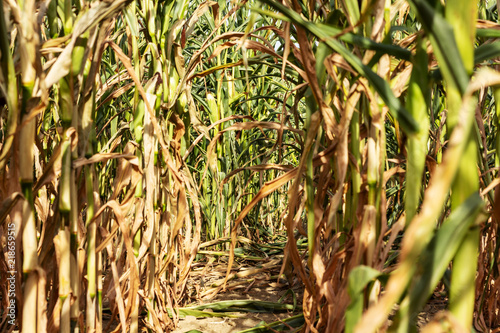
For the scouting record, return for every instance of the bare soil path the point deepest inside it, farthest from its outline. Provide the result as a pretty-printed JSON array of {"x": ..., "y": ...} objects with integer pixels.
[{"x": 262, "y": 286}]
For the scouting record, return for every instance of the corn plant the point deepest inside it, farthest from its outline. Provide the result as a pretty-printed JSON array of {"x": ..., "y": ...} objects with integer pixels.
[{"x": 138, "y": 134}]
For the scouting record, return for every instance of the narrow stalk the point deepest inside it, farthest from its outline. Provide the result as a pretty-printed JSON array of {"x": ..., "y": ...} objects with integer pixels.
[
  {"x": 9, "y": 78},
  {"x": 462, "y": 16},
  {"x": 91, "y": 255},
  {"x": 28, "y": 46},
  {"x": 417, "y": 100},
  {"x": 63, "y": 236}
]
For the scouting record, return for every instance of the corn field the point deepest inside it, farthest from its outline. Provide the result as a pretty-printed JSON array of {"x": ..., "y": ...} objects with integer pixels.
[{"x": 141, "y": 138}]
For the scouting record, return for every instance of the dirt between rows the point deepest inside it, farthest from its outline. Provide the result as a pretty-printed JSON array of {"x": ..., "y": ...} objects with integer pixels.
[
  {"x": 260, "y": 289},
  {"x": 263, "y": 286}
]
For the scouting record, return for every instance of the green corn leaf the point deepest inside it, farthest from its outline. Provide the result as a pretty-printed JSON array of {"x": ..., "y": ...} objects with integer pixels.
[
  {"x": 443, "y": 40},
  {"x": 244, "y": 306},
  {"x": 437, "y": 255},
  {"x": 417, "y": 100},
  {"x": 408, "y": 123},
  {"x": 285, "y": 324},
  {"x": 488, "y": 33},
  {"x": 486, "y": 52},
  {"x": 182, "y": 312},
  {"x": 359, "y": 278}
]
